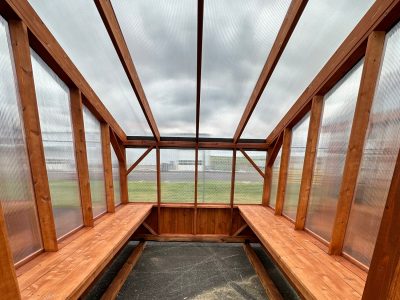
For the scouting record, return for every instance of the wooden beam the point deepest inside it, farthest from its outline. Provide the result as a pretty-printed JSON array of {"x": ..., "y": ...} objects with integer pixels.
[
  {"x": 115, "y": 286},
  {"x": 283, "y": 171},
  {"x": 239, "y": 231},
  {"x": 275, "y": 150},
  {"x": 192, "y": 144},
  {"x": 114, "y": 30},
  {"x": 266, "y": 281},
  {"x": 369, "y": 79},
  {"x": 289, "y": 23},
  {"x": 81, "y": 156},
  {"x": 9, "y": 288},
  {"x": 196, "y": 181},
  {"x": 116, "y": 145},
  {"x": 123, "y": 178},
  {"x": 137, "y": 162},
  {"x": 309, "y": 160},
  {"x": 158, "y": 189},
  {"x": 206, "y": 238},
  {"x": 149, "y": 228},
  {"x": 200, "y": 15},
  {"x": 44, "y": 43},
  {"x": 382, "y": 15},
  {"x": 252, "y": 163},
  {"x": 267, "y": 180},
  {"x": 383, "y": 281},
  {"x": 33, "y": 135},
  {"x": 108, "y": 178},
  {"x": 233, "y": 175}
]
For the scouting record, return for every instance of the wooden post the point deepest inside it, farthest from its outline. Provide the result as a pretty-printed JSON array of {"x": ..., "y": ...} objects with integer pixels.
[
  {"x": 383, "y": 281},
  {"x": 123, "y": 178},
  {"x": 232, "y": 189},
  {"x": 196, "y": 179},
  {"x": 81, "y": 156},
  {"x": 283, "y": 171},
  {"x": 9, "y": 288},
  {"x": 309, "y": 159},
  {"x": 370, "y": 73},
  {"x": 158, "y": 188},
  {"x": 33, "y": 135},
  {"x": 108, "y": 179}
]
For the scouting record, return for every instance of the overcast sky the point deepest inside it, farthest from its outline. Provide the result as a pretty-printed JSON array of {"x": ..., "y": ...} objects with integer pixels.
[{"x": 161, "y": 36}]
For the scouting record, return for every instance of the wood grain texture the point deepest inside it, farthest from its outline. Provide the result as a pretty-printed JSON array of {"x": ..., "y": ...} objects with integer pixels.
[
  {"x": 33, "y": 135},
  {"x": 108, "y": 178},
  {"x": 369, "y": 79},
  {"x": 176, "y": 220},
  {"x": 67, "y": 273},
  {"x": 213, "y": 221},
  {"x": 123, "y": 178}
]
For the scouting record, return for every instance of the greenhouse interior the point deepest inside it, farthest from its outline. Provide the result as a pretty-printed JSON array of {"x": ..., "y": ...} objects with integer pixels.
[{"x": 199, "y": 149}]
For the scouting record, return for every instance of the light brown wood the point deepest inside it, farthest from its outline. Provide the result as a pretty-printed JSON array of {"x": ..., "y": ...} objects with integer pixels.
[
  {"x": 272, "y": 153},
  {"x": 9, "y": 288},
  {"x": 112, "y": 291},
  {"x": 269, "y": 286},
  {"x": 288, "y": 25},
  {"x": 314, "y": 273},
  {"x": 33, "y": 136},
  {"x": 232, "y": 190},
  {"x": 67, "y": 273},
  {"x": 81, "y": 156},
  {"x": 114, "y": 30},
  {"x": 383, "y": 280},
  {"x": 137, "y": 162},
  {"x": 158, "y": 188},
  {"x": 196, "y": 180},
  {"x": 309, "y": 160},
  {"x": 123, "y": 178},
  {"x": 108, "y": 178},
  {"x": 369, "y": 78},
  {"x": 117, "y": 145},
  {"x": 252, "y": 163},
  {"x": 283, "y": 171},
  {"x": 176, "y": 220}
]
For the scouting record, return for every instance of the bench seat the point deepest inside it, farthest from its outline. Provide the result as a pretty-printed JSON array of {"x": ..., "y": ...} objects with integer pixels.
[
  {"x": 67, "y": 273},
  {"x": 314, "y": 273}
]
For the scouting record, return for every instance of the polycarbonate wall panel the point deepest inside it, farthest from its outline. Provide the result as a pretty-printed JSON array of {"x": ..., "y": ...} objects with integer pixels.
[
  {"x": 379, "y": 157},
  {"x": 95, "y": 162},
  {"x": 214, "y": 176},
  {"x": 142, "y": 181},
  {"x": 275, "y": 179},
  {"x": 337, "y": 119},
  {"x": 16, "y": 193},
  {"x": 177, "y": 175},
  {"x": 78, "y": 28},
  {"x": 55, "y": 122},
  {"x": 238, "y": 36},
  {"x": 295, "y": 169},
  {"x": 162, "y": 40},
  {"x": 322, "y": 28},
  {"x": 248, "y": 182},
  {"x": 115, "y": 174}
]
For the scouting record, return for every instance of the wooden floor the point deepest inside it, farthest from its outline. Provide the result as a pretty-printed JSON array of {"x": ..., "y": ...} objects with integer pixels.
[
  {"x": 314, "y": 273},
  {"x": 68, "y": 272}
]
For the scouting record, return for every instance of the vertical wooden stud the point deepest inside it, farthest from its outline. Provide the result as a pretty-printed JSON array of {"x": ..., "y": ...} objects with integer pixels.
[
  {"x": 158, "y": 188},
  {"x": 33, "y": 135},
  {"x": 232, "y": 189},
  {"x": 267, "y": 180},
  {"x": 123, "y": 178},
  {"x": 196, "y": 178},
  {"x": 108, "y": 179}
]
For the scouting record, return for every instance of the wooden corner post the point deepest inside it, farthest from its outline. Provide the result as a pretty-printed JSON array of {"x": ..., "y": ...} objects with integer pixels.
[
  {"x": 123, "y": 178},
  {"x": 108, "y": 178}
]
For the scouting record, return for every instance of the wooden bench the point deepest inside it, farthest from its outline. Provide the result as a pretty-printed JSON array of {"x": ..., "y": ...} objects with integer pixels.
[
  {"x": 67, "y": 273},
  {"x": 314, "y": 273}
]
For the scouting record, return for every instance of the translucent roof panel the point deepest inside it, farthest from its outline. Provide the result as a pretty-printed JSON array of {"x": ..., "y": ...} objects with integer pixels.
[
  {"x": 321, "y": 29},
  {"x": 238, "y": 36},
  {"x": 78, "y": 28},
  {"x": 162, "y": 40}
]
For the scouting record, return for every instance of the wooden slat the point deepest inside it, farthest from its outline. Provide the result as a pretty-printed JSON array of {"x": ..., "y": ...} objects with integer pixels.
[
  {"x": 203, "y": 238},
  {"x": 383, "y": 281},
  {"x": 372, "y": 63},
  {"x": 111, "y": 23},
  {"x": 232, "y": 190},
  {"x": 115, "y": 286},
  {"x": 271, "y": 156},
  {"x": 239, "y": 231},
  {"x": 200, "y": 14},
  {"x": 269, "y": 286},
  {"x": 81, "y": 156},
  {"x": 149, "y": 228},
  {"x": 196, "y": 181},
  {"x": 382, "y": 15},
  {"x": 275, "y": 150},
  {"x": 137, "y": 162},
  {"x": 252, "y": 163},
  {"x": 309, "y": 160},
  {"x": 118, "y": 148},
  {"x": 158, "y": 189},
  {"x": 123, "y": 178},
  {"x": 289, "y": 23},
  {"x": 33, "y": 135},
  {"x": 283, "y": 171},
  {"x": 108, "y": 178}
]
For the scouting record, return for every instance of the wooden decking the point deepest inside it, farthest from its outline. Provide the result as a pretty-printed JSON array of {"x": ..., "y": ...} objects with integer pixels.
[
  {"x": 67, "y": 273},
  {"x": 314, "y": 273}
]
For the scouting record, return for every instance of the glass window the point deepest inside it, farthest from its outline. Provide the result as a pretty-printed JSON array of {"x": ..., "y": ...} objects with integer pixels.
[
  {"x": 337, "y": 118},
  {"x": 275, "y": 179},
  {"x": 16, "y": 193},
  {"x": 295, "y": 170},
  {"x": 215, "y": 175},
  {"x": 79, "y": 29},
  {"x": 177, "y": 175},
  {"x": 55, "y": 122},
  {"x": 162, "y": 40},
  {"x": 142, "y": 181},
  {"x": 95, "y": 162},
  {"x": 379, "y": 157},
  {"x": 115, "y": 173},
  {"x": 322, "y": 28},
  {"x": 248, "y": 182},
  {"x": 238, "y": 36}
]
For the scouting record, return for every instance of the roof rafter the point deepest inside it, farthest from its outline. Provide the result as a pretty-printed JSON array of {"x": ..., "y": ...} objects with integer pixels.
[
  {"x": 114, "y": 30},
  {"x": 289, "y": 23},
  {"x": 200, "y": 17}
]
